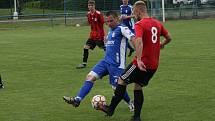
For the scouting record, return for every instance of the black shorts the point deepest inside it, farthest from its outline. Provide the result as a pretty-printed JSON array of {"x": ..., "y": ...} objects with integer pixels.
[
  {"x": 94, "y": 43},
  {"x": 133, "y": 74}
]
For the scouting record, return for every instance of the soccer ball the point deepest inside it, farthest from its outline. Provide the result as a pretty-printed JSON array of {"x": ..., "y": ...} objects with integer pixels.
[
  {"x": 98, "y": 100},
  {"x": 77, "y": 25}
]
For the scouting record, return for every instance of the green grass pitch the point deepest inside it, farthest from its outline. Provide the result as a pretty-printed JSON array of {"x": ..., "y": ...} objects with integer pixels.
[{"x": 38, "y": 68}]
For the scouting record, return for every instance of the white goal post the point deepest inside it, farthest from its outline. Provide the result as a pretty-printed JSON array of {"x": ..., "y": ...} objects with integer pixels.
[
  {"x": 15, "y": 14},
  {"x": 163, "y": 10}
]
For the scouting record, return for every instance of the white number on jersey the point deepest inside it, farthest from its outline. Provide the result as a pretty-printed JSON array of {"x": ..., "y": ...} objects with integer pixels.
[{"x": 154, "y": 34}]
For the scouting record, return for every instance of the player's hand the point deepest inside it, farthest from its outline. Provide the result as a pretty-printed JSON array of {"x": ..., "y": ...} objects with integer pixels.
[
  {"x": 122, "y": 17},
  {"x": 141, "y": 65},
  {"x": 161, "y": 45}
]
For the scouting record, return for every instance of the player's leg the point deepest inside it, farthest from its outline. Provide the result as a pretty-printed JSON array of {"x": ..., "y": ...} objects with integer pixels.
[
  {"x": 90, "y": 44},
  {"x": 97, "y": 72},
  {"x": 138, "y": 101},
  {"x": 142, "y": 79},
  {"x": 1, "y": 83},
  {"x": 118, "y": 96},
  {"x": 100, "y": 44},
  {"x": 85, "y": 57},
  {"x": 125, "y": 78},
  {"x": 114, "y": 73},
  {"x": 127, "y": 99},
  {"x": 84, "y": 90}
]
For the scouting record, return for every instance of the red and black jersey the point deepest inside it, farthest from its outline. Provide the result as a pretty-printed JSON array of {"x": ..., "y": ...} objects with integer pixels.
[
  {"x": 150, "y": 31},
  {"x": 96, "y": 21}
]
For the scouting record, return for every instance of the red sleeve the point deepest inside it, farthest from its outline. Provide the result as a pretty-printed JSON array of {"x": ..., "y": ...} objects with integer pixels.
[
  {"x": 164, "y": 32},
  {"x": 101, "y": 19},
  {"x": 138, "y": 30}
]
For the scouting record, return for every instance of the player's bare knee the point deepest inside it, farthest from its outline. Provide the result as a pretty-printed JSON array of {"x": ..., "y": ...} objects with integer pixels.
[{"x": 92, "y": 76}]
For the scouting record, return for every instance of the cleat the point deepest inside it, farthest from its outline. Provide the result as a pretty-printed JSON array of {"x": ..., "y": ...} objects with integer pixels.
[
  {"x": 133, "y": 118},
  {"x": 1, "y": 86},
  {"x": 130, "y": 52},
  {"x": 131, "y": 106},
  {"x": 72, "y": 101},
  {"x": 105, "y": 109},
  {"x": 80, "y": 66}
]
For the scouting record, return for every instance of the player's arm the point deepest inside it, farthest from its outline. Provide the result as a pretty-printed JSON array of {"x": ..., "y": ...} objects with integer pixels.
[
  {"x": 127, "y": 17},
  {"x": 139, "y": 46},
  {"x": 122, "y": 17},
  {"x": 126, "y": 32},
  {"x": 167, "y": 37},
  {"x": 165, "y": 41},
  {"x": 88, "y": 18},
  {"x": 101, "y": 18}
]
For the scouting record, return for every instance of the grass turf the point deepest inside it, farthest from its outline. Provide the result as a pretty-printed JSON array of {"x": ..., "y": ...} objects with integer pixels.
[{"x": 38, "y": 68}]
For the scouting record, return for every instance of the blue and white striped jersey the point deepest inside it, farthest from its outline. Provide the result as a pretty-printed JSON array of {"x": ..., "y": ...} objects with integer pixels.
[
  {"x": 126, "y": 10},
  {"x": 116, "y": 45}
]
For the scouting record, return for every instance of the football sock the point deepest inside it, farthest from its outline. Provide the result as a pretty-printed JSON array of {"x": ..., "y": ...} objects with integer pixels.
[
  {"x": 85, "y": 89},
  {"x": 126, "y": 97},
  {"x": 138, "y": 102},
  {"x": 118, "y": 95},
  {"x": 85, "y": 55}
]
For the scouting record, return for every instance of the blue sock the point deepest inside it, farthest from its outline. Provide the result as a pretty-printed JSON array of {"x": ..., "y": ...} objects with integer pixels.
[
  {"x": 126, "y": 97},
  {"x": 85, "y": 89}
]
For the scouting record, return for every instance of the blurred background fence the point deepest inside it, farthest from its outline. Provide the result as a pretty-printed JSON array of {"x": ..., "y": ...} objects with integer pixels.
[{"x": 68, "y": 11}]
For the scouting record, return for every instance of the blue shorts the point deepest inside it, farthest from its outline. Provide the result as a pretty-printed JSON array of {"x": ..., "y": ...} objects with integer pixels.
[{"x": 103, "y": 68}]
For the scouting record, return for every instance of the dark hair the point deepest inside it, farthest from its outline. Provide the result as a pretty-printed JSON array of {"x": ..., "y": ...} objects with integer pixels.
[
  {"x": 91, "y": 2},
  {"x": 113, "y": 13}
]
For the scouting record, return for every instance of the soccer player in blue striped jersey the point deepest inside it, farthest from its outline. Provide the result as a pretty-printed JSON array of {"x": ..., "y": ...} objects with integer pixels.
[
  {"x": 113, "y": 64},
  {"x": 127, "y": 19}
]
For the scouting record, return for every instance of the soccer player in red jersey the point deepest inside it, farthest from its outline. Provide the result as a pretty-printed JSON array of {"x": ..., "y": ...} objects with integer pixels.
[
  {"x": 96, "y": 22},
  {"x": 144, "y": 65}
]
